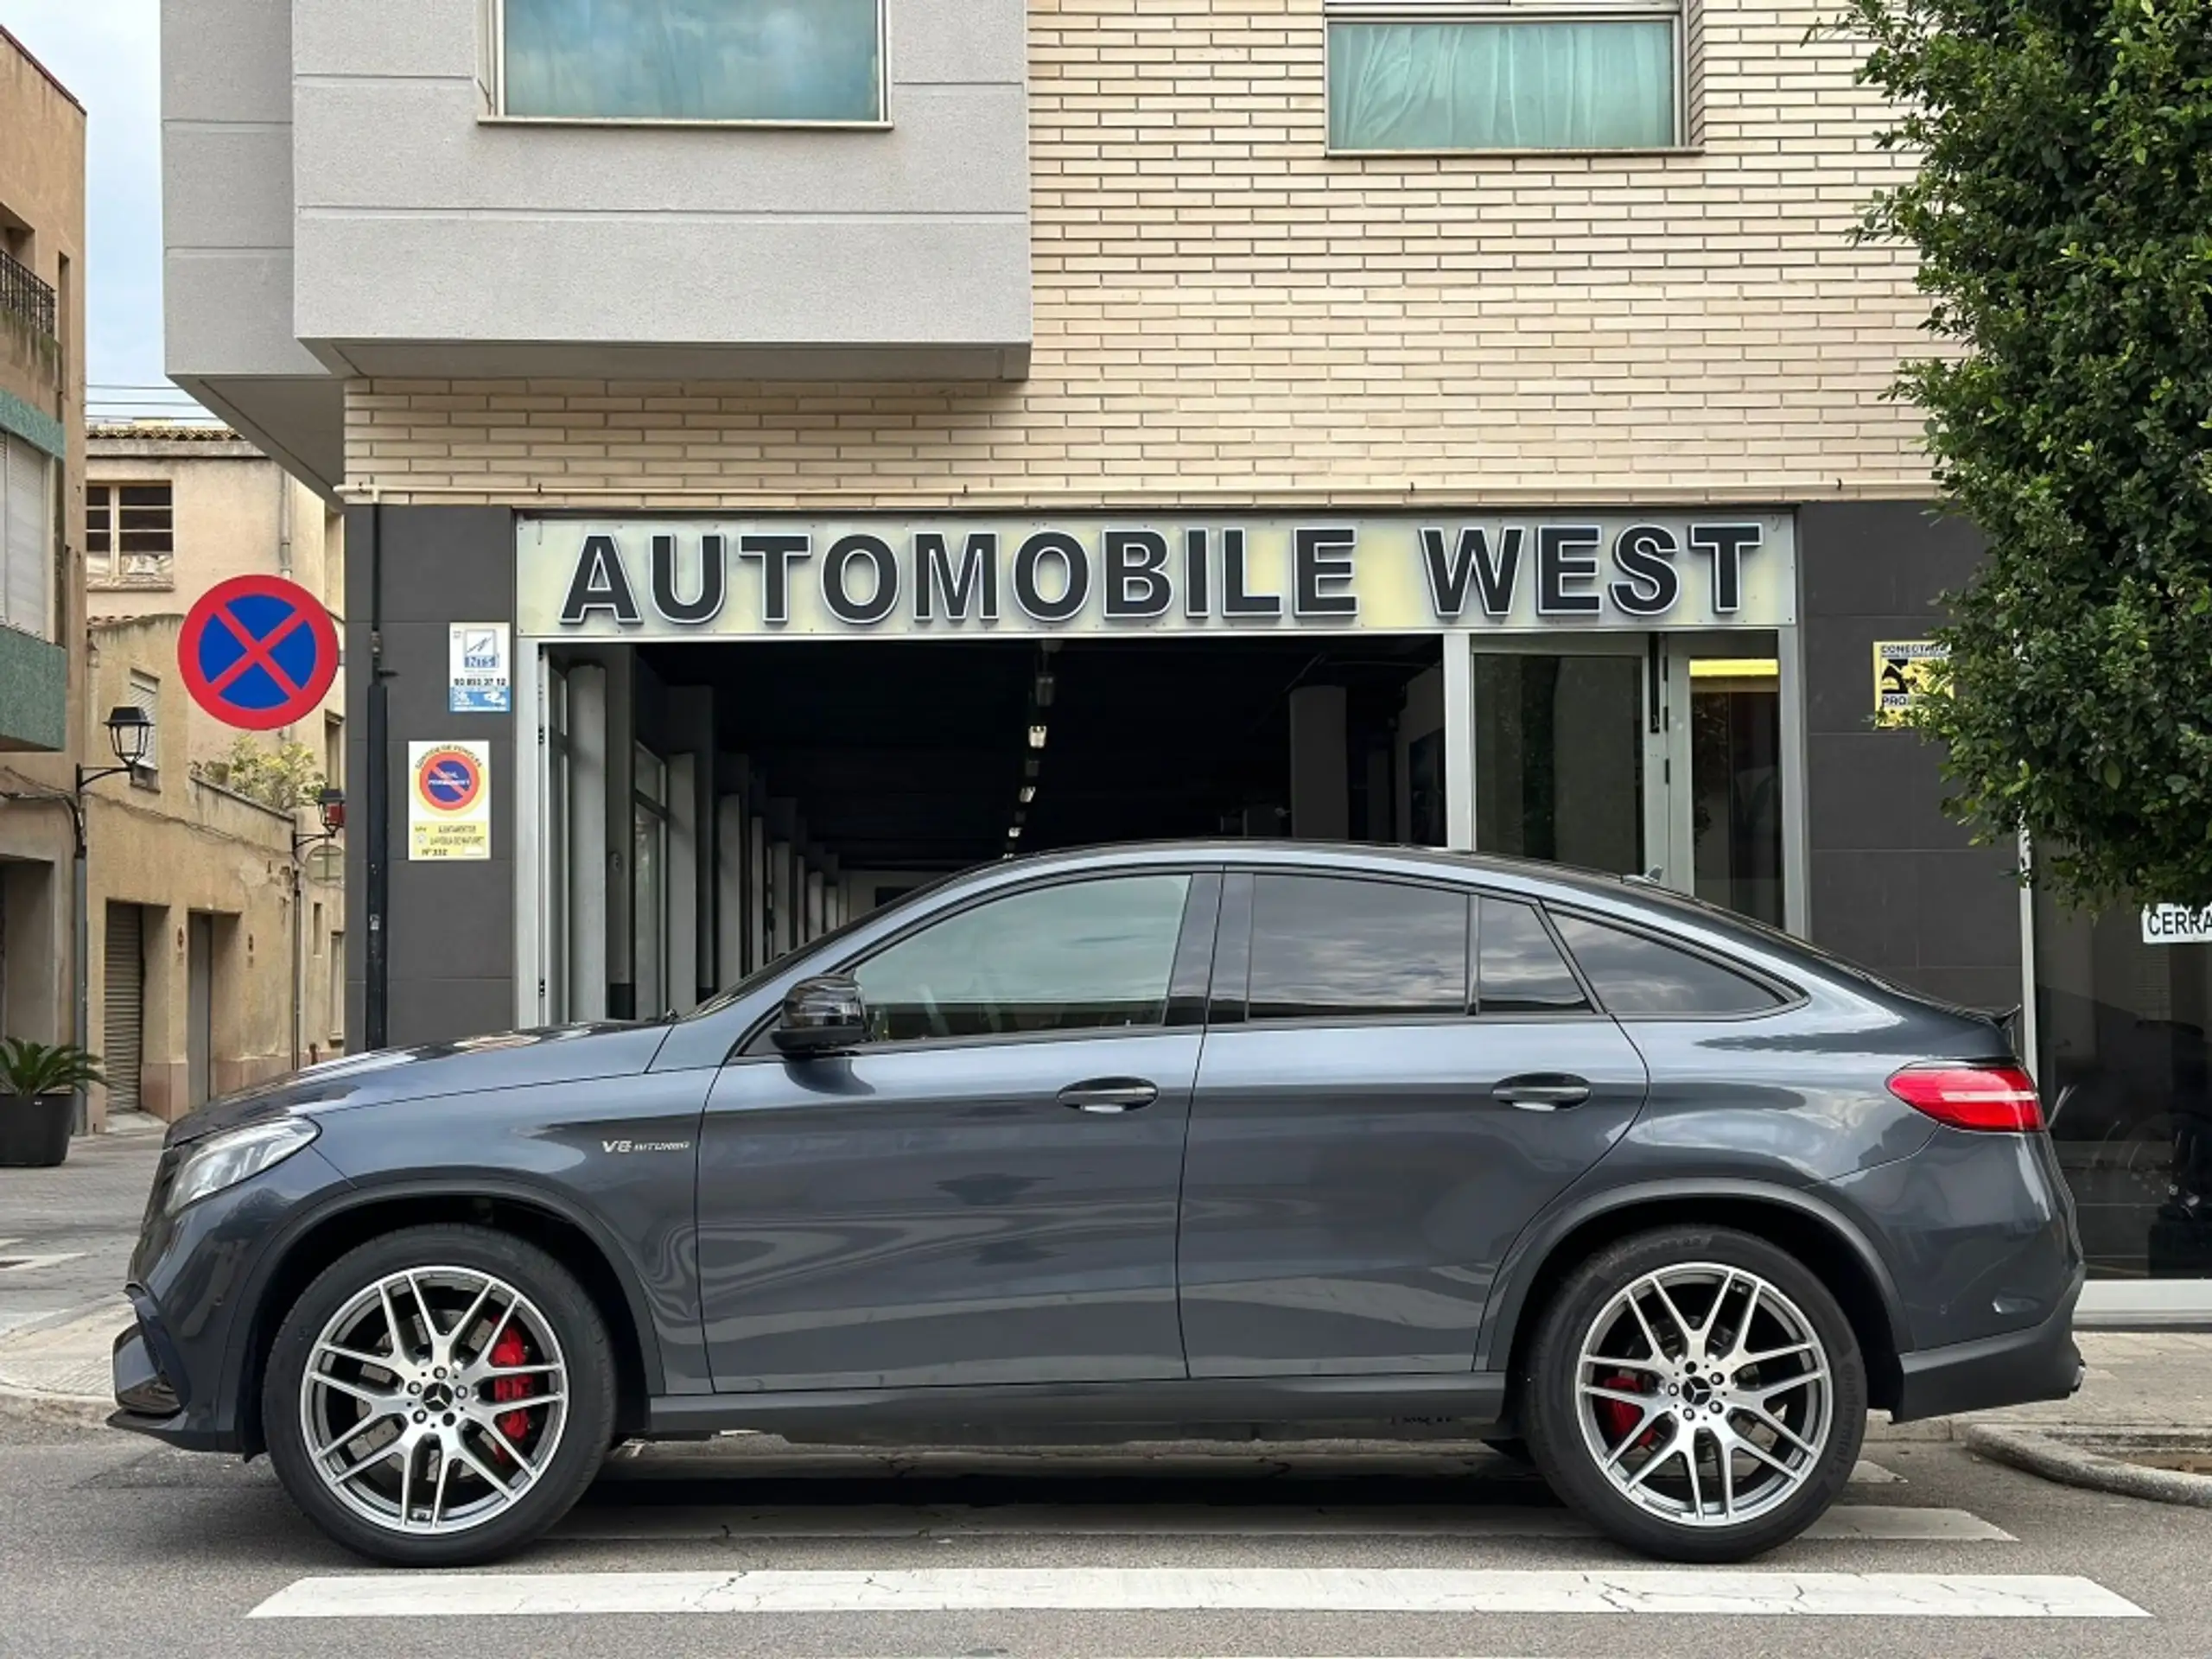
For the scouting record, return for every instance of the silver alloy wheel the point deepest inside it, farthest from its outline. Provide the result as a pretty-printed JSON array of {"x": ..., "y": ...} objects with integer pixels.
[
  {"x": 1704, "y": 1394},
  {"x": 434, "y": 1400}
]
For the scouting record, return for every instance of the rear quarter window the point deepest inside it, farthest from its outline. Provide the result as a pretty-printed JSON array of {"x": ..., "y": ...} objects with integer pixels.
[{"x": 1634, "y": 974}]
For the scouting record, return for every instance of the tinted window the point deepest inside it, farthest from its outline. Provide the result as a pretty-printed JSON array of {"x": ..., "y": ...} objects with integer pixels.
[
  {"x": 1522, "y": 971},
  {"x": 1635, "y": 974},
  {"x": 1323, "y": 946},
  {"x": 1081, "y": 956}
]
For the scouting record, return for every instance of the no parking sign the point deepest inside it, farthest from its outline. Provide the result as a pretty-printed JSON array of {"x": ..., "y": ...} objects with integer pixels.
[
  {"x": 448, "y": 801},
  {"x": 257, "y": 652}
]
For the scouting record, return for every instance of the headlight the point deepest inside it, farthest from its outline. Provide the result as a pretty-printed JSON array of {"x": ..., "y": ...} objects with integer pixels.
[{"x": 225, "y": 1160}]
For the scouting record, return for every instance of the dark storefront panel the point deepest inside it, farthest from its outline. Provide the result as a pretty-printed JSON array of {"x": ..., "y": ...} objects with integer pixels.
[{"x": 2122, "y": 1029}]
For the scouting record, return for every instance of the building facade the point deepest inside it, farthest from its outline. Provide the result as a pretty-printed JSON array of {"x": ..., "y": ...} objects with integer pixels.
[
  {"x": 44, "y": 705},
  {"x": 894, "y": 433},
  {"x": 217, "y": 926}
]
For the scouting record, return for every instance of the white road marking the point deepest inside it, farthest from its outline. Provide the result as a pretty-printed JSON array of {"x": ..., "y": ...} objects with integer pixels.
[
  {"x": 1317, "y": 1590},
  {"x": 1864, "y": 1473},
  {"x": 1858, "y": 1523},
  {"x": 27, "y": 1263}
]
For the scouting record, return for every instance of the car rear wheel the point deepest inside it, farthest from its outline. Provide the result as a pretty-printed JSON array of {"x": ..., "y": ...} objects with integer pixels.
[
  {"x": 439, "y": 1397},
  {"x": 1696, "y": 1394}
]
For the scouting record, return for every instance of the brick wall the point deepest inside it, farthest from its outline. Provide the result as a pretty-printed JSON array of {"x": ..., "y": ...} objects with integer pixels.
[{"x": 1225, "y": 312}]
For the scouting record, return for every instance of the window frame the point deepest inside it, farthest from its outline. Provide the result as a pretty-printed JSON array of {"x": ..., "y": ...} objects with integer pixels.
[
  {"x": 1787, "y": 996},
  {"x": 103, "y": 510},
  {"x": 143, "y": 688},
  {"x": 1202, "y": 913},
  {"x": 494, "y": 87},
  {"x": 1678, "y": 13}
]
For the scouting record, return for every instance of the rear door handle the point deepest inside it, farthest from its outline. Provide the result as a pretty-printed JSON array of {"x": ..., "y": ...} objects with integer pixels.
[
  {"x": 1542, "y": 1091},
  {"x": 1105, "y": 1095}
]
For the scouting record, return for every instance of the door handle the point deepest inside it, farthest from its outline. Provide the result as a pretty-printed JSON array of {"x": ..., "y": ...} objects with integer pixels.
[
  {"x": 1542, "y": 1091},
  {"x": 1106, "y": 1094}
]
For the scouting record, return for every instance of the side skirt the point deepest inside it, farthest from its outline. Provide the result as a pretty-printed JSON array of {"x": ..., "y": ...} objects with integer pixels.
[{"x": 1390, "y": 1405}]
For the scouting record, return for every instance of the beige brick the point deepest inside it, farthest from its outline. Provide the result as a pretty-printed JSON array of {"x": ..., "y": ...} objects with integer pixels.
[{"x": 1225, "y": 313}]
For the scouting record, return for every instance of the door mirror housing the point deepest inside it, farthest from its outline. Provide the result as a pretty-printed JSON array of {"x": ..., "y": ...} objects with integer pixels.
[{"x": 821, "y": 1016}]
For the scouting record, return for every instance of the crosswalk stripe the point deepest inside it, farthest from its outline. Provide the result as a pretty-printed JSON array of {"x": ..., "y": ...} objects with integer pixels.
[
  {"x": 1319, "y": 1590},
  {"x": 1873, "y": 1523},
  {"x": 1864, "y": 1473}
]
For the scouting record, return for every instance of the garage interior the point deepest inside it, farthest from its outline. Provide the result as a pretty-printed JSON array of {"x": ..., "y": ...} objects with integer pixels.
[{"x": 771, "y": 790}]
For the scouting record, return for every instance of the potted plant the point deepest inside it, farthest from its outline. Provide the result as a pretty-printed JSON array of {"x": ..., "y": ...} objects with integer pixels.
[{"x": 38, "y": 1106}]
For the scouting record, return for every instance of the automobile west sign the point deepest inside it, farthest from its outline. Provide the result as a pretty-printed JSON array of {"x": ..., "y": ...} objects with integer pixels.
[{"x": 670, "y": 578}]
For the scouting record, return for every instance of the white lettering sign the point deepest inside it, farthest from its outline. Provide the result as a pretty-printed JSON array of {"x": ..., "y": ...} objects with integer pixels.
[{"x": 2176, "y": 924}]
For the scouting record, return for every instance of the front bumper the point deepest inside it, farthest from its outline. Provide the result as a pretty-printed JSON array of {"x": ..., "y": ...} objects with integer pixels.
[
  {"x": 153, "y": 1391},
  {"x": 2040, "y": 1363}
]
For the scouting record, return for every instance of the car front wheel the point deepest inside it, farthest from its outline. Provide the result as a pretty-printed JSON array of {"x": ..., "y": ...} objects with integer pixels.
[
  {"x": 439, "y": 1397},
  {"x": 1696, "y": 1394}
]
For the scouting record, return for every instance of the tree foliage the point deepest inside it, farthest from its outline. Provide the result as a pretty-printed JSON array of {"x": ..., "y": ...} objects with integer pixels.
[
  {"x": 284, "y": 778},
  {"x": 2062, "y": 214}
]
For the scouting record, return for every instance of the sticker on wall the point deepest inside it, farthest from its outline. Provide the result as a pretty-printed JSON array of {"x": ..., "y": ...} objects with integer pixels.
[
  {"x": 479, "y": 680},
  {"x": 2176, "y": 924},
  {"x": 1906, "y": 672},
  {"x": 448, "y": 801}
]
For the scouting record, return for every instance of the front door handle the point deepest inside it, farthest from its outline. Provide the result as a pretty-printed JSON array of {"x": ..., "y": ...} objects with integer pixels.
[
  {"x": 1542, "y": 1091},
  {"x": 1104, "y": 1095}
]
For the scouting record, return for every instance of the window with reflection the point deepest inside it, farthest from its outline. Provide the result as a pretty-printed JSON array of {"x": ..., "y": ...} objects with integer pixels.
[
  {"x": 1082, "y": 955},
  {"x": 774, "y": 61}
]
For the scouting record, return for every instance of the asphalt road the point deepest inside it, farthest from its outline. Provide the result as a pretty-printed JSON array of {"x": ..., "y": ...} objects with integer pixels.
[{"x": 114, "y": 1547}]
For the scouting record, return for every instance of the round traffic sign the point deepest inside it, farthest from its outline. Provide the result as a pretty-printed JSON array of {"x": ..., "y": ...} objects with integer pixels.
[
  {"x": 257, "y": 652},
  {"x": 450, "y": 780}
]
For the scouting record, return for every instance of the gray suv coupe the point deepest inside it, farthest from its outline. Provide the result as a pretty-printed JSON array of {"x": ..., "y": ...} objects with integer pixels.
[{"x": 1203, "y": 1138}]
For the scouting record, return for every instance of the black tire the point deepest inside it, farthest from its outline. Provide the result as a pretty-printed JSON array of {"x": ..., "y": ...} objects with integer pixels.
[
  {"x": 587, "y": 1429},
  {"x": 1564, "y": 1453}
]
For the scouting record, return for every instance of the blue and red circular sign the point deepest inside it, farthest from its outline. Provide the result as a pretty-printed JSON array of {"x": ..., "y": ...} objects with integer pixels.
[
  {"x": 450, "y": 780},
  {"x": 257, "y": 652}
]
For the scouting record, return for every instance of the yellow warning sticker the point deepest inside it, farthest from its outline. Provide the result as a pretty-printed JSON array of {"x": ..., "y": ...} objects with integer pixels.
[{"x": 1906, "y": 672}]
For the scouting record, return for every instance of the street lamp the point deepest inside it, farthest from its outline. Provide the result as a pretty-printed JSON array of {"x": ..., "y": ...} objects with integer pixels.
[
  {"x": 131, "y": 735},
  {"x": 330, "y": 807}
]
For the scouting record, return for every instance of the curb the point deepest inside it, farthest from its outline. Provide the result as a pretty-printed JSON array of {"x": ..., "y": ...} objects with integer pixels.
[
  {"x": 68, "y": 1410},
  {"x": 2054, "y": 1458}
]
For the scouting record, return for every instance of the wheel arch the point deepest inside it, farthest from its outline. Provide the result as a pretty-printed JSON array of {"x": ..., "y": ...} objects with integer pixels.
[
  {"x": 520, "y": 1212},
  {"x": 1816, "y": 1234}
]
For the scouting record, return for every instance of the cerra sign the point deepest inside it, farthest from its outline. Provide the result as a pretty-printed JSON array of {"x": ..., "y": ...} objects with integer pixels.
[{"x": 1397, "y": 573}]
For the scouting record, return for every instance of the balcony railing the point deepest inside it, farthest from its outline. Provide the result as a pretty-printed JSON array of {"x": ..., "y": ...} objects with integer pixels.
[{"x": 23, "y": 293}]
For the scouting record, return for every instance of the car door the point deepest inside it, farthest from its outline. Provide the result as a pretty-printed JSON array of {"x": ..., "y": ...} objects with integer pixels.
[
  {"x": 1396, "y": 1077},
  {"x": 985, "y": 1192}
]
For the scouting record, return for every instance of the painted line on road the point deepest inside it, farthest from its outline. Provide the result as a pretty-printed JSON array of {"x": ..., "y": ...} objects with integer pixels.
[
  {"x": 1870, "y": 1523},
  {"x": 1864, "y": 1473},
  {"x": 1317, "y": 1590}
]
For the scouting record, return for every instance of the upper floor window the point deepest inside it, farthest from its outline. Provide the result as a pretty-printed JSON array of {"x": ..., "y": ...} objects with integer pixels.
[
  {"x": 715, "y": 60},
  {"x": 26, "y": 536},
  {"x": 1422, "y": 75},
  {"x": 130, "y": 533}
]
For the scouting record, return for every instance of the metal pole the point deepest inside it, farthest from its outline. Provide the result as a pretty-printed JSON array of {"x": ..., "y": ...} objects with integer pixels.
[
  {"x": 83, "y": 954},
  {"x": 376, "y": 992}
]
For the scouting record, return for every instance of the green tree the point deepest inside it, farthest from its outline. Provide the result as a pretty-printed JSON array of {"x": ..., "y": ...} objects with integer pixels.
[
  {"x": 285, "y": 777},
  {"x": 2062, "y": 213}
]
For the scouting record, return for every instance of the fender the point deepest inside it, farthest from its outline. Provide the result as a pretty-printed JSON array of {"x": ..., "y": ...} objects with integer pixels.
[
  {"x": 488, "y": 1185},
  {"x": 1517, "y": 1273}
]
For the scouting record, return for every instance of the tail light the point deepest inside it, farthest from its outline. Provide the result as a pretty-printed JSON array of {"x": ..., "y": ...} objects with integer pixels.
[{"x": 1988, "y": 1097}]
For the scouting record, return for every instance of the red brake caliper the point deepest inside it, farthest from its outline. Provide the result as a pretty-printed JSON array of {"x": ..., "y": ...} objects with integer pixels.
[
  {"x": 1620, "y": 1417},
  {"x": 509, "y": 1350}
]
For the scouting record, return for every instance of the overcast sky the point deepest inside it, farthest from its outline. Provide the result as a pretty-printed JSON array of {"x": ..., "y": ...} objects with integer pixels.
[{"x": 108, "y": 52}]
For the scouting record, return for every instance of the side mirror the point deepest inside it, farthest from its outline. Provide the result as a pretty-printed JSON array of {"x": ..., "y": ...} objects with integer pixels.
[{"x": 823, "y": 1016}]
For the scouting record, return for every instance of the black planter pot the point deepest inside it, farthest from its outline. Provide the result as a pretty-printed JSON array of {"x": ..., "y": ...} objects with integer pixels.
[{"x": 35, "y": 1133}]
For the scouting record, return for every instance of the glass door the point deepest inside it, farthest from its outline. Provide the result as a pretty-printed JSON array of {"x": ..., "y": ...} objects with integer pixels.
[{"x": 1649, "y": 754}]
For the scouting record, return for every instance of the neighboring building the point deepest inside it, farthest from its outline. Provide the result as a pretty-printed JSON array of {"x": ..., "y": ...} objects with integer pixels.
[
  {"x": 902, "y": 433},
  {"x": 214, "y": 948},
  {"x": 45, "y": 719}
]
